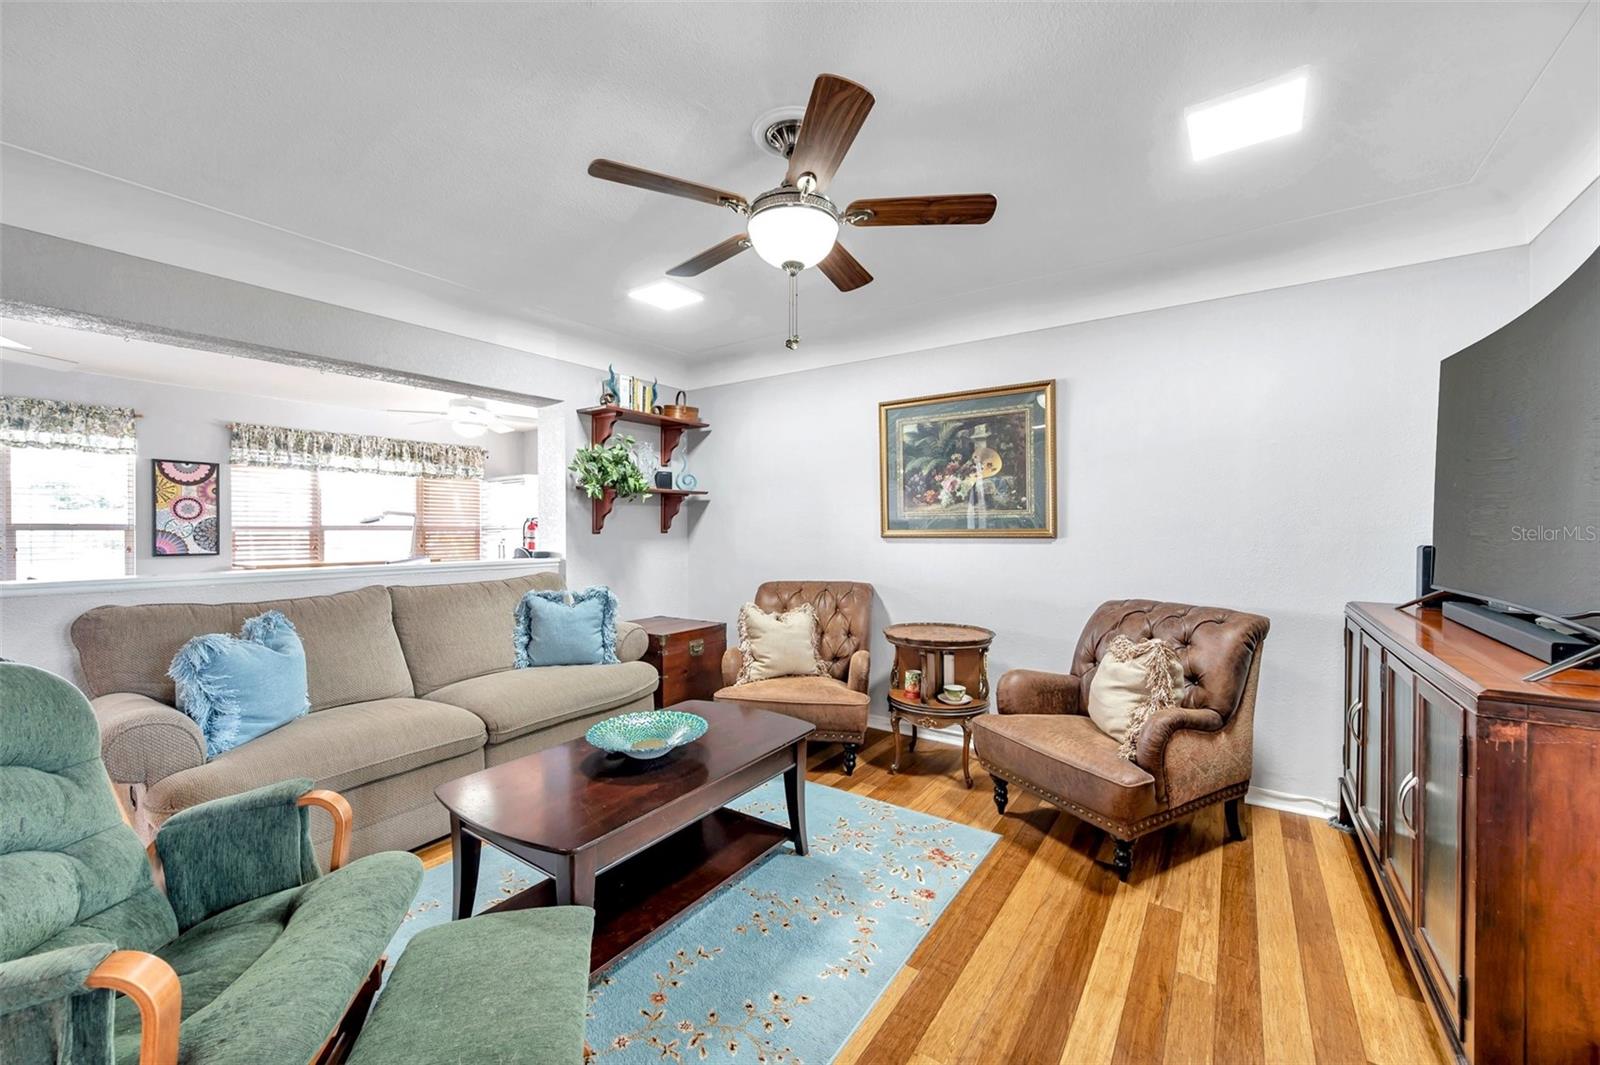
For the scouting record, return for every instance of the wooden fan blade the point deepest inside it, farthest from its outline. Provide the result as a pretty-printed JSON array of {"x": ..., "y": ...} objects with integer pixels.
[
  {"x": 841, "y": 268},
  {"x": 833, "y": 117},
  {"x": 623, "y": 174},
  {"x": 972, "y": 209},
  {"x": 717, "y": 253}
]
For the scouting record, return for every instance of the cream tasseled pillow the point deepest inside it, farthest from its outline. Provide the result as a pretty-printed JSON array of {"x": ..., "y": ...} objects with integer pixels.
[
  {"x": 1133, "y": 681},
  {"x": 778, "y": 645}
]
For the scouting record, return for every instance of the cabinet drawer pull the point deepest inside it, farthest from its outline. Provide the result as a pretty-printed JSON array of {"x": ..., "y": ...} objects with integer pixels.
[
  {"x": 1353, "y": 720},
  {"x": 697, "y": 648}
]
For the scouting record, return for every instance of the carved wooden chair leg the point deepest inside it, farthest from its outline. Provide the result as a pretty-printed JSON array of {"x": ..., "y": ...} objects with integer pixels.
[
  {"x": 850, "y": 750},
  {"x": 1230, "y": 810},
  {"x": 1001, "y": 796},
  {"x": 1122, "y": 858}
]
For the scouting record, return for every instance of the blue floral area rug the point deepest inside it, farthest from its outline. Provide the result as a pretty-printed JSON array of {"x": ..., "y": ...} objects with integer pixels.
[{"x": 783, "y": 963}]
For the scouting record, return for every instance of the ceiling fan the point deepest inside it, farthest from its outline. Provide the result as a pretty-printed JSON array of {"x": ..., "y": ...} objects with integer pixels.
[
  {"x": 796, "y": 226},
  {"x": 472, "y": 418}
]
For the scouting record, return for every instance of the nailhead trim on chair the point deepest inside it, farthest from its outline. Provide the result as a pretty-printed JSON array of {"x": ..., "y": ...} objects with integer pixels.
[{"x": 1122, "y": 831}]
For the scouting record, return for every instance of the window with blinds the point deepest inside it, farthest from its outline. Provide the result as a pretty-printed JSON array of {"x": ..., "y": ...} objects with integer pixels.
[
  {"x": 65, "y": 514},
  {"x": 291, "y": 517}
]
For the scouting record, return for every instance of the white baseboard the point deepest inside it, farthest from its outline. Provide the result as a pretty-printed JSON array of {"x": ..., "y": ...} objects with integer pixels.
[
  {"x": 1257, "y": 796},
  {"x": 1290, "y": 804}
]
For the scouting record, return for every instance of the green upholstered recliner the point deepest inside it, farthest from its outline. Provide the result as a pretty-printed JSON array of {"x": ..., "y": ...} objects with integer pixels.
[{"x": 259, "y": 956}]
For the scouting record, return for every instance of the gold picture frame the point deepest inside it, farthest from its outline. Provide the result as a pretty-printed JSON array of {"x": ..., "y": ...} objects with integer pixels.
[{"x": 980, "y": 463}]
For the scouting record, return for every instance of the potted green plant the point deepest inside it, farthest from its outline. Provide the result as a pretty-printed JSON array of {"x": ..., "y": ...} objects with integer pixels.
[{"x": 608, "y": 471}]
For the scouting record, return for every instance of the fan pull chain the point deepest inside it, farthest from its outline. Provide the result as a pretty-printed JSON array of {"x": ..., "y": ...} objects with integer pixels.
[{"x": 793, "y": 269}]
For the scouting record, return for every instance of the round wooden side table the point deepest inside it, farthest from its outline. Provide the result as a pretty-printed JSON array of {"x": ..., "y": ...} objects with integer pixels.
[{"x": 946, "y": 654}]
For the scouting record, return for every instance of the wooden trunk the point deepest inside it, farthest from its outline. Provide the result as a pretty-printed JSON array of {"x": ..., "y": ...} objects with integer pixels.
[
  {"x": 688, "y": 656},
  {"x": 1475, "y": 797}
]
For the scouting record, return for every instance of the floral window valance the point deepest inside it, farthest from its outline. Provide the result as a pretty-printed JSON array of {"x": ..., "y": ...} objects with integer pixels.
[
  {"x": 27, "y": 422},
  {"x": 304, "y": 449}
]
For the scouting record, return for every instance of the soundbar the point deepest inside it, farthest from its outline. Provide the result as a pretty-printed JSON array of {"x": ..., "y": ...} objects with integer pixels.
[{"x": 1517, "y": 631}]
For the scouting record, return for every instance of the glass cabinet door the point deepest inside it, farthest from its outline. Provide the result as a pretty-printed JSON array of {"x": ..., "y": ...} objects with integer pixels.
[
  {"x": 1369, "y": 816},
  {"x": 1439, "y": 917},
  {"x": 1400, "y": 852},
  {"x": 1352, "y": 710}
]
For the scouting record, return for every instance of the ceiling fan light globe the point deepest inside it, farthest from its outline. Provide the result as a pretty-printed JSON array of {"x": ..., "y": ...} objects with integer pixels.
[
  {"x": 470, "y": 430},
  {"x": 787, "y": 226}
]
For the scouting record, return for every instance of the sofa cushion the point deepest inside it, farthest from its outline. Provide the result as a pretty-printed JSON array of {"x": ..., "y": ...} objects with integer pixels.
[
  {"x": 1067, "y": 756},
  {"x": 352, "y": 652},
  {"x": 267, "y": 981},
  {"x": 514, "y": 701},
  {"x": 826, "y": 703},
  {"x": 454, "y": 631},
  {"x": 339, "y": 748}
]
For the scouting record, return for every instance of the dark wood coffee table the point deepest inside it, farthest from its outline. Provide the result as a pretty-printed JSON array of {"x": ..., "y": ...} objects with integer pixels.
[{"x": 640, "y": 841}]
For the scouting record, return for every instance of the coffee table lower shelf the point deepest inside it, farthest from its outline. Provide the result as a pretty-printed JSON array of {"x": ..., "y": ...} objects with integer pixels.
[{"x": 641, "y": 896}]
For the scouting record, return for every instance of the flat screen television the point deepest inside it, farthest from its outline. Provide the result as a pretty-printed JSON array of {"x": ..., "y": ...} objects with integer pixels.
[{"x": 1516, "y": 505}]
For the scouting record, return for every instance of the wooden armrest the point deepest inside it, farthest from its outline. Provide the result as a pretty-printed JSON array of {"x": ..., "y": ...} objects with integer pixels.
[
  {"x": 154, "y": 988},
  {"x": 338, "y": 808}
]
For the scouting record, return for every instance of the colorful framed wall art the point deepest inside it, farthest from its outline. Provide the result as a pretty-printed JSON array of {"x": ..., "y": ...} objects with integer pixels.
[{"x": 187, "y": 498}]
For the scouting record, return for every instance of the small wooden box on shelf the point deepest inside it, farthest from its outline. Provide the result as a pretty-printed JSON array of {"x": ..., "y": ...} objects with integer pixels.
[{"x": 603, "y": 422}]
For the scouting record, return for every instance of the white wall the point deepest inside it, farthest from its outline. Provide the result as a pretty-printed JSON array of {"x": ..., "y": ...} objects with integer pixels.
[
  {"x": 1271, "y": 452},
  {"x": 192, "y": 425},
  {"x": 1564, "y": 245}
]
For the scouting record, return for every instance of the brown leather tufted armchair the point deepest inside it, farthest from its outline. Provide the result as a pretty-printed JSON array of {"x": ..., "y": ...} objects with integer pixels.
[
  {"x": 836, "y": 703},
  {"x": 1191, "y": 756}
]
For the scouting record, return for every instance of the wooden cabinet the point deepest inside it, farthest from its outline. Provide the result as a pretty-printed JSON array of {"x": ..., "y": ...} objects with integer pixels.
[
  {"x": 1475, "y": 798},
  {"x": 688, "y": 656}
]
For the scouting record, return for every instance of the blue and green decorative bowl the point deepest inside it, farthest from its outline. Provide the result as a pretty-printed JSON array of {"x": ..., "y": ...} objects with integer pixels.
[{"x": 647, "y": 733}]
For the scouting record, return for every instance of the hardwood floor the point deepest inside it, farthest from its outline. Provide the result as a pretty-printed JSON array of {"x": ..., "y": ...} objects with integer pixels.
[{"x": 1270, "y": 950}]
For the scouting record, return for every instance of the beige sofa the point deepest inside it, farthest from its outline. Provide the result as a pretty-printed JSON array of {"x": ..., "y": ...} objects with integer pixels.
[{"x": 410, "y": 686}]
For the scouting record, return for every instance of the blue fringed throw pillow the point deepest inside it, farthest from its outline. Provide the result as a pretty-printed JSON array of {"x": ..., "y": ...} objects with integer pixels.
[
  {"x": 239, "y": 687},
  {"x": 553, "y": 631}
]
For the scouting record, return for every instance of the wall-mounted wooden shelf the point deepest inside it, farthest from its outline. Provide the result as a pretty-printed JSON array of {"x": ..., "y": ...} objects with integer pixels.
[
  {"x": 671, "y": 502},
  {"x": 603, "y": 420}
]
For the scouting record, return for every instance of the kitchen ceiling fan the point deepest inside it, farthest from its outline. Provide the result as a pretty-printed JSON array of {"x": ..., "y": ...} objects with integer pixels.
[
  {"x": 795, "y": 226},
  {"x": 472, "y": 418}
]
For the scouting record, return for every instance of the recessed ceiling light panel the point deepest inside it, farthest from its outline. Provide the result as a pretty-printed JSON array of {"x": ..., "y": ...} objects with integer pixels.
[
  {"x": 667, "y": 295},
  {"x": 1260, "y": 113}
]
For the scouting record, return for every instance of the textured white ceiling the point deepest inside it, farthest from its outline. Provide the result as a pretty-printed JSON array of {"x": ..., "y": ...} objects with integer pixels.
[{"x": 336, "y": 149}]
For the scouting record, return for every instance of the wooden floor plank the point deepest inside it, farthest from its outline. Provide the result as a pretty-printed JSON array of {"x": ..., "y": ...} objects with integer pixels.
[
  {"x": 1237, "y": 1038},
  {"x": 1142, "y": 1033},
  {"x": 1197, "y": 942},
  {"x": 1191, "y": 1022},
  {"x": 1093, "y": 1037},
  {"x": 1335, "y": 1032},
  {"x": 1285, "y": 1016}
]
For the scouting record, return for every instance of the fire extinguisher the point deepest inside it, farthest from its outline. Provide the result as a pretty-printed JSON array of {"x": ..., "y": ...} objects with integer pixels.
[{"x": 530, "y": 529}]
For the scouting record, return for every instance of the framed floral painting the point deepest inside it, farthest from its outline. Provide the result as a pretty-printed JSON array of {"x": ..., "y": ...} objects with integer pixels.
[
  {"x": 970, "y": 463},
  {"x": 187, "y": 500}
]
